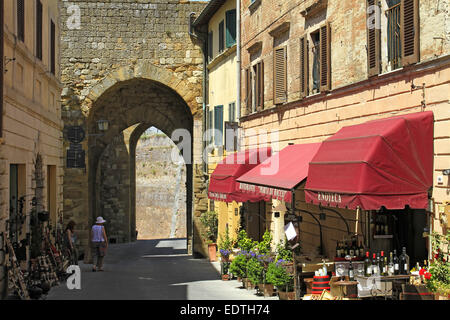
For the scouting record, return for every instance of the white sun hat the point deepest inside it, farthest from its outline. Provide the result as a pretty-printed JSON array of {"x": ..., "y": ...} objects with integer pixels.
[{"x": 100, "y": 220}]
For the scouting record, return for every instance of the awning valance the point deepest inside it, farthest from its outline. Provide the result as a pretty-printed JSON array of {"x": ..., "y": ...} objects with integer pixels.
[
  {"x": 276, "y": 177},
  {"x": 223, "y": 186},
  {"x": 386, "y": 162}
]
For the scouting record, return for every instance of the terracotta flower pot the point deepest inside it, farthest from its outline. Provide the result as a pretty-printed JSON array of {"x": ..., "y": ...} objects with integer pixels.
[
  {"x": 212, "y": 251},
  {"x": 225, "y": 277},
  {"x": 267, "y": 289},
  {"x": 283, "y": 295}
]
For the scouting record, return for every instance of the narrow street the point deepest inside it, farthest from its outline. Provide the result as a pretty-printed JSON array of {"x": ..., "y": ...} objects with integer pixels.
[{"x": 153, "y": 270}]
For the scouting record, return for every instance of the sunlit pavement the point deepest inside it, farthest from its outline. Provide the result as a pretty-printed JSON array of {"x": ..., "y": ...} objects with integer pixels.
[{"x": 153, "y": 270}]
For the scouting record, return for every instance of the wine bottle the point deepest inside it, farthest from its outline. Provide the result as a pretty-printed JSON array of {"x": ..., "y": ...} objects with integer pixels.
[
  {"x": 346, "y": 250},
  {"x": 380, "y": 271},
  {"x": 338, "y": 249},
  {"x": 367, "y": 265},
  {"x": 351, "y": 272},
  {"x": 391, "y": 270},
  {"x": 383, "y": 262},
  {"x": 351, "y": 250},
  {"x": 404, "y": 262},
  {"x": 361, "y": 250},
  {"x": 396, "y": 264},
  {"x": 374, "y": 265}
]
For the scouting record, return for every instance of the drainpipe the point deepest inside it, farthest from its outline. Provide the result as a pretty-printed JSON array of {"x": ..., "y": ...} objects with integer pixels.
[{"x": 238, "y": 58}]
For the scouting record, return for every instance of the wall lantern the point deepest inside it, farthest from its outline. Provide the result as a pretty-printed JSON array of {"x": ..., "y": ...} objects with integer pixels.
[{"x": 103, "y": 125}]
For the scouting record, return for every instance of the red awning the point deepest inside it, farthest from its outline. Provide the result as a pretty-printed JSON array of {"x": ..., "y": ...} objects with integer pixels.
[
  {"x": 223, "y": 186},
  {"x": 386, "y": 162},
  {"x": 280, "y": 174}
]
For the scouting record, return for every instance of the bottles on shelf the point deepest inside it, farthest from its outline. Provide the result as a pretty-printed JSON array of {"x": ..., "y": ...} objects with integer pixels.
[
  {"x": 404, "y": 262},
  {"x": 367, "y": 265},
  {"x": 396, "y": 264}
]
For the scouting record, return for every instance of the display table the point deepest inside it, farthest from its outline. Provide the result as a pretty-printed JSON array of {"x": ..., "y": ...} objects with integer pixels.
[
  {"x": 381, "y": 286},
  {"x": 347, "y": 289}
]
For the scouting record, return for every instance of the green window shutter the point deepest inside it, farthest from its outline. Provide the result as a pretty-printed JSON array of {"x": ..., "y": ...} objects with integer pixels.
[
  {"x": 218, "y": 125},
  {"x": 230, "y": 28}
]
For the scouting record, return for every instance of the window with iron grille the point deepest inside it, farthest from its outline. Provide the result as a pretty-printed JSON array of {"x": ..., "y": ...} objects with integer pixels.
[
  {"x": 401, "y": 31},
  {"x": 52, "y": 47},
  {"x": 21, "y": 20},
  {"x": 39, "y": 29}
]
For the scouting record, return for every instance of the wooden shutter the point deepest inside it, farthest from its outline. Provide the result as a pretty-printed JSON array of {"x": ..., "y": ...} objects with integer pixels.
[
  {"x": 52, "y": 47},
  {"x": 248, "y": 86},
  {"x": 39, "y": 29},
  {"x": 409, "y": 26},
  {"x": 280, "y": 78},
  {"x": 304, "y": 67},
  {"x": 230, "y": 17},
  {"x": 21, "y": 20},
  {"x": 373, "y": 43},
  {"x": 325, "y": 58},
  {"x": 221, "y": 36},
  {"x": 260, "y": 86}
]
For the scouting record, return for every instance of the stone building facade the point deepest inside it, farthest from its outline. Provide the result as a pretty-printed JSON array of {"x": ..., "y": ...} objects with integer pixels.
[
  {"x": 131, "y": 63},
  {"x": 31, "y": 131},
  {"x": 324, "y": 68}
]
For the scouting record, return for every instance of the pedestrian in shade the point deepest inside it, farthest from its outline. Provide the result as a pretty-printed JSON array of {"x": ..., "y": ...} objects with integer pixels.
[{"x": 99, "y": 243}]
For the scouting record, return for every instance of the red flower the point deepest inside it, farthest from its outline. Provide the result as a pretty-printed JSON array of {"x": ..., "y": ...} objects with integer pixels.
[
  {"x": 422, "y": 271},
  {"x": 428, "y": 276}
]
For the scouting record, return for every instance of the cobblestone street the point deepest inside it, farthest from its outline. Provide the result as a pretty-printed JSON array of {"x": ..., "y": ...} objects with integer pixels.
[{"x": 153, "y": 270}]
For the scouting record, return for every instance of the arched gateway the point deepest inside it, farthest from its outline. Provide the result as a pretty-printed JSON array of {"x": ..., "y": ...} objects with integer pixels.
[{"x": 135, "y": 66}]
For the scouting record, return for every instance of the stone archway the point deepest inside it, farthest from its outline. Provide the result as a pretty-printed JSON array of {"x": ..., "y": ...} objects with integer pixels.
[
  {"x": 125, "y": 104},
  {"x": 125, "y": 46}
]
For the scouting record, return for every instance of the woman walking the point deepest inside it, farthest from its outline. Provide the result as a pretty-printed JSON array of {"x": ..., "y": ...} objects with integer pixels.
[
  {"x": 99, "y": 243},
  {"x": 69, "y": 239}
]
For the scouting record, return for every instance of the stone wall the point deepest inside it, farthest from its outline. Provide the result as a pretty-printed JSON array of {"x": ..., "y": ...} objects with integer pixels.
[{"x": 117, "y": 42}]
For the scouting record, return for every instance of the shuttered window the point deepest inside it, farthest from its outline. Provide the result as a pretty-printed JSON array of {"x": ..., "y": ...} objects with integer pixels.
[
  {"x": 325, "y": 58},
  {"x": 221, "y": 36},
  {"x": 304, "y": 67},
  {"x": 210, "y": 46},
  {"x": 248, "y": 89},
  {"x": 259, "y": 86},
  {"x": 373, "y": 39},
  {"x": 39, "y": 29},
  {"x": 232, "y": 112},
  {"x": 230, "y": 17},
  {"x": 409, "y": 26},
  {"x": 52, "y": 47},
  {"x": 218, "y": 125},
  {"x": 280, "y": 75},
  {"x": 21, "y": 20}
]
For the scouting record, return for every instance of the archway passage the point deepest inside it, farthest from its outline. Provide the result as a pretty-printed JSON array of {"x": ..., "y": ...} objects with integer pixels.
[
  {"x": 131, "y": 107},
  {"x": 160, "y": 188}
]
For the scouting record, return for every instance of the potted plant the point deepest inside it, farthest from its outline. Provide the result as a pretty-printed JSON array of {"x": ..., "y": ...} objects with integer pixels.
[
  {"x": 209, "y": 221},
  {"x": 225, "y": 246},
  {"x": 280, "y": 278},
  {"x": 245, "y": 245},
  {"x": 225, "y": 271},
  {"x": 238, "y": 266},
  {"x": 254, "y": 270},
  {"x": 437, "y": 276}
]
